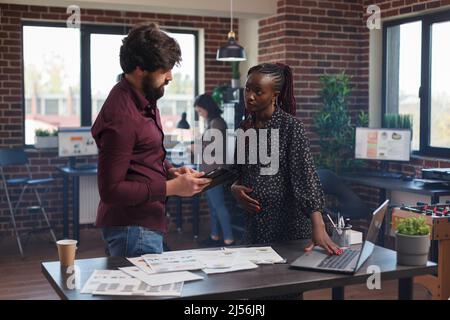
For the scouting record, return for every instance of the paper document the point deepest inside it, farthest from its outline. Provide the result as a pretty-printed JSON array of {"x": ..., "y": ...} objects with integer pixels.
[
  {"x": 173, "y": 261},
  {"x": 141, "y": 264},
  {"x": 159, "y": 279},
  {"x": 243, "y": 265},
  {"x": 118, "y": 283},
  {"x": 258, "y": 255},
  {"x": 217, "y": 259}
]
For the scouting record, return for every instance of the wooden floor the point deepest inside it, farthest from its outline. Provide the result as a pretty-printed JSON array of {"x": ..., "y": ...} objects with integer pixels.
[{"x": 23, "y": 279}]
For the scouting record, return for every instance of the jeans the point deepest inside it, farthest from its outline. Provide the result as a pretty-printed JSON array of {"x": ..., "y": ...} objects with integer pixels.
[
  {"x": 220, "y": 217},
  {"x": 132, "y": 241}
]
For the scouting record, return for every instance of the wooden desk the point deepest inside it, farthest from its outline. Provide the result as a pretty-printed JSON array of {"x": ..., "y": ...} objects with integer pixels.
[
  {"x": 439, "y": 285},
  {"x": 266, "y": 280}
]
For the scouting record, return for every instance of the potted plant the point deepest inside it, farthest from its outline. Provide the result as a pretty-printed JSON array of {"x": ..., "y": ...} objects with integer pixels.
[
  {"x": 412, "y": 241},
  {"x": 334, "y": 125},
  {"x": 45, "y": 139},
  {"x": 398, "y": 121}
]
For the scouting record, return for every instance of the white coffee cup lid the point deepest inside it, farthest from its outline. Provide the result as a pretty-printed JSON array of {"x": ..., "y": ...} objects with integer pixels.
[{"x": 66, "y": 242}]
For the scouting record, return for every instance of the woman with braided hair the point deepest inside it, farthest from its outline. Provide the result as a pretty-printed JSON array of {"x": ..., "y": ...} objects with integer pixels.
[{"x": 286, "y": 204}]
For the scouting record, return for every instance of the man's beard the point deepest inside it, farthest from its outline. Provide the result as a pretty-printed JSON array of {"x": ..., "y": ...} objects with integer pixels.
[{"x": 152, "y": 93}]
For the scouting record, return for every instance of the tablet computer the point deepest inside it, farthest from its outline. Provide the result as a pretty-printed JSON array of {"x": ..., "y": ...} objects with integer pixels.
[{"x": 220, "y": 175}]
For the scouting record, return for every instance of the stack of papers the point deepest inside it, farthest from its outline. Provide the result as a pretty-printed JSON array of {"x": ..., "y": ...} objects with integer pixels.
[
  {"x": 164, "y": 274},
  {"x": 117, "y": 283}
]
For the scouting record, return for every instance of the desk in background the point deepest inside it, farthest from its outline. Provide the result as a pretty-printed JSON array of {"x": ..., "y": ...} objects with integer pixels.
[
  {"x": 74, "y": 174},
  {"x": 266, "y": 280},
  {"x": 394, "y": 190},
  {"x": 408, "y": 192},
  {"x": 390, "y": 186}
]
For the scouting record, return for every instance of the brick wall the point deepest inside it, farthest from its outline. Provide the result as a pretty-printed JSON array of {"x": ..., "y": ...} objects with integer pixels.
[
  {"x": 314, "y": 38},
  {"x": 393, "y": 8},
  {"x": 329, "y": 36},
  {"x": 12, "y": 110}
]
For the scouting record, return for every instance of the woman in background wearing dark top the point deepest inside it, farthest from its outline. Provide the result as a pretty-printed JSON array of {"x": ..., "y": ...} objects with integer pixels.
[
  {"x": 220, "y": 219},
  {"x": 286, "y": 205}
]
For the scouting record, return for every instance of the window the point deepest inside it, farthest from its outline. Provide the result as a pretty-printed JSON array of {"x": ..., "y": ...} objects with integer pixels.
[
  {"x": 415, "y": 72},
  {"x": 66, "y": 88},
  {"x": 51, "y": 72},
  {"x": 180, "y": 93},
  {"x": 105, "y": 68}
]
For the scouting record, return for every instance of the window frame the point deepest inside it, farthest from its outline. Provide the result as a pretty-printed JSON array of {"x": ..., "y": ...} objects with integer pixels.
[
  {"x": 85, "y": 62},
  {"x": 425, "y": 87}
]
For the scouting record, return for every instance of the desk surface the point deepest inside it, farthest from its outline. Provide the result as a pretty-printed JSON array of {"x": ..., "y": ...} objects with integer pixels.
[
  {"x": 77, "y": 172},
  {"x": 266, "y": 280},
  {"x": 395, "y": 184}
]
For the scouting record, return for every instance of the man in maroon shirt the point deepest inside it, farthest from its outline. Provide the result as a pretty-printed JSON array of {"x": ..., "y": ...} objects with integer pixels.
[{"x": 134, "y": 178}]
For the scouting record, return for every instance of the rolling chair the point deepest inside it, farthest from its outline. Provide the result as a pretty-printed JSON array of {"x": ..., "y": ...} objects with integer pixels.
[
  {"x": 17, "y": 157},
  {"x": 349, "y": 204}
]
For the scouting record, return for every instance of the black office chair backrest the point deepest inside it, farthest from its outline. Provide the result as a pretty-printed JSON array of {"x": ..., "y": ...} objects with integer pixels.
[
  {"x": 349, "y": 204},
  {"x": 10, "y": 157}
]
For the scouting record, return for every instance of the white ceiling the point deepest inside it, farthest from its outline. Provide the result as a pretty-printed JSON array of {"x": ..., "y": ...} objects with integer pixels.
[{"x": 252, "y": 9}]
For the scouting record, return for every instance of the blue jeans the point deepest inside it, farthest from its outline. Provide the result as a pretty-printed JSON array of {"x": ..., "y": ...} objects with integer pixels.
[
  {"x": 220, "y": 217},
  {"x": 132, "y": 241}
]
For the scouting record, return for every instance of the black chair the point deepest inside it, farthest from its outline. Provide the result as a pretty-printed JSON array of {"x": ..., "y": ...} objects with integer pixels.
[
  {"x": 349, "y": 205},
  {"x": 17, "y": 157}
]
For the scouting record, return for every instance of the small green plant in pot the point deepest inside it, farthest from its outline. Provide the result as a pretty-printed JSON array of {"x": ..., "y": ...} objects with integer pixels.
[
  {"x": 412, "y": 241},
  {"x": 45, "y": 139}
]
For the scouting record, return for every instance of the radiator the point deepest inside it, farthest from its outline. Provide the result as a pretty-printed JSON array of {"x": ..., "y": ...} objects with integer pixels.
[{"x": 89, "y": 199}]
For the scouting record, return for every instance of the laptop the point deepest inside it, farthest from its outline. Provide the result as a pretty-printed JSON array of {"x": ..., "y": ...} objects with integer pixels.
[{"x": 352, "y": 258}]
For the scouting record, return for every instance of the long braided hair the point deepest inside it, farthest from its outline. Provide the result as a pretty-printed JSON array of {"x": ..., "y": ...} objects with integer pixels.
[{"x": 283, "y": 83}]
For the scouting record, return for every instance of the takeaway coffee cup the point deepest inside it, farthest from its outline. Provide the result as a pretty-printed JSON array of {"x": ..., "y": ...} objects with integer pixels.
[{"x": 66, "y": 252}]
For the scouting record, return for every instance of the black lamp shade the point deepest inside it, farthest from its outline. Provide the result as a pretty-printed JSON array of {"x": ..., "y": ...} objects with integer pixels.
[{"x": 232, "y": 51}]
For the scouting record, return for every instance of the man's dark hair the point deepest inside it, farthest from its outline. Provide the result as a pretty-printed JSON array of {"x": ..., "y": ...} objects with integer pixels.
[
  {"x": 206, "y": 102},
  {"x": 150, "y": 49}
]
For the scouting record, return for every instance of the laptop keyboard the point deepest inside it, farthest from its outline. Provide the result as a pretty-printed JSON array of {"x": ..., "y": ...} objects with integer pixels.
[{"x": 339, "y": 262}]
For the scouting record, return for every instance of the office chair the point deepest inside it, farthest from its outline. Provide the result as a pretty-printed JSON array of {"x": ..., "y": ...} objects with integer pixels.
[
  {"x": 15, "y": 157},
  {"x": 349, "y": 204}
]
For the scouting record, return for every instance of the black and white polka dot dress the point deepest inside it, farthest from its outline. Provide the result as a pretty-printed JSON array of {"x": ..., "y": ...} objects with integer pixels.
[{"x": 288, "y": 197}]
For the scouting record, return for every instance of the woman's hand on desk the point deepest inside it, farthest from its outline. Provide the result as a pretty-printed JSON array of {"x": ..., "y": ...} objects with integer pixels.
[
  {"x": 320, "y": 236},
  {"x": 249, "y": 204},
  {"x": 187, "y": 184}
]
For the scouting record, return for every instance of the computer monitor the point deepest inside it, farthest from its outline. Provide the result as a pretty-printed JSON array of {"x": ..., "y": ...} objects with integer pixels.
[
  {"x": 383, "y": 144},
  {"x": 76, "y": 142}
]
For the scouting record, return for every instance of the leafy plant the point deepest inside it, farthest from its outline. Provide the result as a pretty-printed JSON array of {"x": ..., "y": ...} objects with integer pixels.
[
  {"x": 334, "y": 127},
  {"x": 398, "y": 121},
  {"x": 413, "y": 227},
  {"x": 45, "y": 133}
]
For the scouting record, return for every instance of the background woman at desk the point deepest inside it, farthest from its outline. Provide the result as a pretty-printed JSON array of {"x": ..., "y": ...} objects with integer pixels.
[{"x": 285, "y": 205}]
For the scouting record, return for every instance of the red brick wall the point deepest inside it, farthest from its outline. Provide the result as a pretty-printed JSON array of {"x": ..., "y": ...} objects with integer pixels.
[
  {"x": 318, "y": 37},
  {"x": 11, "y": 108},
  {"x": 329, "y": 36},
  {"x": 394, "y": 8}
]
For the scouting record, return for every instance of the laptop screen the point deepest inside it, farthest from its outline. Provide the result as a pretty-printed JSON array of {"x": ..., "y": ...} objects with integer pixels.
[{"x": 372, "y": 234}]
